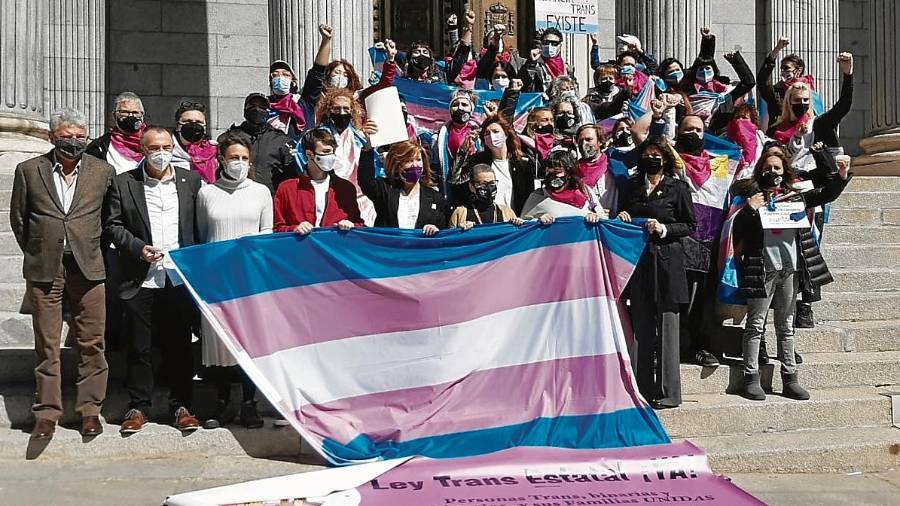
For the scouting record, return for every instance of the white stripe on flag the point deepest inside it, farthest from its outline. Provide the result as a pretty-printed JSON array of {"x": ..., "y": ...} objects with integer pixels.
[{"x": 399, "y": 360}]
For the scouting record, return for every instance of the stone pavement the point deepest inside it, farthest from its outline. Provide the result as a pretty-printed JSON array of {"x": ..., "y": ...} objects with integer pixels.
[{"x": 150, "y": 481}]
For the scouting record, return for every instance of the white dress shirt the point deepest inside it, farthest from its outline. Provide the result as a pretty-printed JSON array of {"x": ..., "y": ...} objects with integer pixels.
[
  {"x": 65, "y": 191},
  {"x": 504, "y": 182},
  {"x": 162, "y": 209},
  {"x": 408, "y": 210}
]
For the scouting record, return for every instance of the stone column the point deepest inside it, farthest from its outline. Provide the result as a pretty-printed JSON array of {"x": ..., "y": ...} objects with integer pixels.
[
  {"x": 294, "y": 33},
  {"x": 666, "y": 27},
  {"x": 23, "y": 126},
  {"x": 814, "y": 31},
  {"x": 882, "y": 144},
  {"x": 76, "y": 58}
]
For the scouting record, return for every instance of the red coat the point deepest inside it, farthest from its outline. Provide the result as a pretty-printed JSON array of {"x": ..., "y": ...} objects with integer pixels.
[{"x": 295, "y": 202}]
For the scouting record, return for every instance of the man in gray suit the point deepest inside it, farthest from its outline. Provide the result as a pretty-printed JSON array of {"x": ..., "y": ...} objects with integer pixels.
[{"x": 55, "y": 214}]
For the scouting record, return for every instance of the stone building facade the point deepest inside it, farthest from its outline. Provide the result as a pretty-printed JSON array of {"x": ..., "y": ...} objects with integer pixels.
[{"x": 82, "y": 53}]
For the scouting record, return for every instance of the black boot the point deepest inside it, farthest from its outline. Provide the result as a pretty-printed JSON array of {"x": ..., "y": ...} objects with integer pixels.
[
  {"x": 791, "y": 388},
  {"x": 803, "y": 317},
  {"x": 763, "y": 353},
  {"x": 797, "y": 358},
  {"x": 706, "y": 359},
  {"x": 751, "y": 388},
  {"x": 249, "y": 417},
  {"x": 220, "y": 416}
]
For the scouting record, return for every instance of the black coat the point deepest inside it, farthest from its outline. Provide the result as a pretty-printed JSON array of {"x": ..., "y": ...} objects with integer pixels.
[
  {"x": 522, "y": 170},
  {"x": 661, "y": 271},
  {"x": 126, "y": 222},
  {"x": 99, "y": 147},
  {"x": 385, "y": 196},
  {"x": 748, "y": 242},
  {"x": 270, "y": 155}
]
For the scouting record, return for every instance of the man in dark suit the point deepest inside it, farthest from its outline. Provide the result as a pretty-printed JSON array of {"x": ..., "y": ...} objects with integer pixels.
[
  {"x": 149, "y": 212},
  {"x": 55, "y": 214}
]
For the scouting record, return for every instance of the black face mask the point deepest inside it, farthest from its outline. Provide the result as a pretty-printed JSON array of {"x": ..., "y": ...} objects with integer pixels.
[
  {"x": 460, "y": 116},
  {"x": 193, "y": 132},
  {"x": 340, "y": 121},
  {"x": 71, "y": 149},
  {"x": 650, "y": 166},
  {"x": 556, "y": 183},
  {"x": 605, "y": 87},
  {"x": 623, "y": 138},
  {"x": 799, "y": 109},
  {"x": 421, "y": 62},
  {"x": 484, "y": 195},
  {"x": 769, "y": 180},
  {"x": 128, "y": 124},
  {"x": 255, "y": 115},
  {"x": 565, "y": 122},
  {"x": 689, "y": 143},
  {"x": 544, "y": 129}
]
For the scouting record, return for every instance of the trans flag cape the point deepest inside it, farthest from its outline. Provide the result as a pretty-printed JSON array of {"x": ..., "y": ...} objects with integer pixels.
[
  {"x": 709, "y": 195},
  {"x": 429, "y": 103},
  {"x": 381, "y": 343}
]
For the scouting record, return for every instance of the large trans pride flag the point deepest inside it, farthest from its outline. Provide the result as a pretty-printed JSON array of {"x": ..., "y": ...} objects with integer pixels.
[{"x": 381, "y": 343}]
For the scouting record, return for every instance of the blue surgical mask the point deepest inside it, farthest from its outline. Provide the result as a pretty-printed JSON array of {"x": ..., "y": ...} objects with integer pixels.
[
  {"x": 705, "y": 74},
  {"x": 627, "y": 70},
  {"x": 674, "y": 76},
  {"x": 281, "y": 85}
]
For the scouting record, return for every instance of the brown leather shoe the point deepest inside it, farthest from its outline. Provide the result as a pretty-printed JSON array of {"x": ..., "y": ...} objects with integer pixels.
[
  {"x": 185, "y": 421},
  {"x": 43, "y": 429},
  {"x": 135, "y": 420},
  {"x": 91, "y": 426}
]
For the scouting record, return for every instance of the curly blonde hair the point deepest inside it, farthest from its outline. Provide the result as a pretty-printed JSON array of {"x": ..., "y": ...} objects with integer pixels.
[{"x": 332, "y": 95}]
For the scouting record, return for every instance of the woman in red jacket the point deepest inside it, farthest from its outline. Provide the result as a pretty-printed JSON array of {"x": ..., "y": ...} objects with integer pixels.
[{"x": 317, "y": 198}]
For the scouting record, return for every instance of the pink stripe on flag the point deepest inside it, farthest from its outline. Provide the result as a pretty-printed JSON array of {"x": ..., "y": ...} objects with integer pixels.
[
  {"x": 482, "y": 399},
  {"x": 282, "y": 319}
]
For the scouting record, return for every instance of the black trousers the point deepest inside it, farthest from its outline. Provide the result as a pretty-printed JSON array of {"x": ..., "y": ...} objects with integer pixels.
[
  {"x": 692, "y": 315},
  {"x": 165, "y": 314},
  {"x": 655, "y": 355}
]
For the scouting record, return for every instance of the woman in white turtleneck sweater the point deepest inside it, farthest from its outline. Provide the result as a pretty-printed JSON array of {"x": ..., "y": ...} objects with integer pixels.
[{"x": 234, "y": 206}]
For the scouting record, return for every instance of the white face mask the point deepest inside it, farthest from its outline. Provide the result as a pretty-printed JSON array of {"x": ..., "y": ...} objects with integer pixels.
[
  {"x": 159, "y": 160},
  {"x": 787, "y": 75},
  {"x": 339, "y": 81},
  {"x": 326, "y": 162},
  {"x": 498, "y": 139},
  {"x": 237, "y": 169},
  {"x": 501, "y": 83},
  {"x": 550, "y": 51},
  {"x": 281, "y": 85}
]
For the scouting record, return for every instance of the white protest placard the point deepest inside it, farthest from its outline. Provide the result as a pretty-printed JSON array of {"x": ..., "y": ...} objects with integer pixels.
[
  {"x": 785, "y": 215},
  {"x": 384, "y": 108},
  {"x": 567, "y": 16}
]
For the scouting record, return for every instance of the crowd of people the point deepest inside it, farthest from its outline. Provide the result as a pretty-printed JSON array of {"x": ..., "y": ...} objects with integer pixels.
[{"x": 96, "y": 218}]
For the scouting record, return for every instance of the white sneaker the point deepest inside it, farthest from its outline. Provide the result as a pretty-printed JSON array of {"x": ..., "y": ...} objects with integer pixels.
[{"x": 280, "y": 422}]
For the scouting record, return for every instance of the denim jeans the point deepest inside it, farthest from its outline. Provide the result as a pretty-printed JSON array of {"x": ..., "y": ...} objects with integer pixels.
[{"x": 781, "y": 291}]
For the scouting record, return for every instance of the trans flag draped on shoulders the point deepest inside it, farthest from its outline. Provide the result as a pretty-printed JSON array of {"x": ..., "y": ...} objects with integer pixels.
[{"x": 381, "y": 343}]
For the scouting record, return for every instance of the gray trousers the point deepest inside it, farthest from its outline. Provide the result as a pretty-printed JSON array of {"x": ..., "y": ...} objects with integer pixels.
[{"x": 781, "y": 290}]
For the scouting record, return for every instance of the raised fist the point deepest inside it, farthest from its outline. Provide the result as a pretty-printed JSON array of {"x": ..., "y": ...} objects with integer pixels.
[
  {"x": 325, "y": 31},
  {"x": 846, "y": 62}
]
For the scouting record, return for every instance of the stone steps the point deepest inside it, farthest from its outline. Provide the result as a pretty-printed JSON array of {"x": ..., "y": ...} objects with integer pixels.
[
  {"x": 864, "y": 279},
  {"x": 872, "y": 184},
  {"x": 850, "y": 449},
  {"x": 818, "y": 371},
  {"x": 836, "y": 337},
  {"x": 730, "y": 414},
  {"x": 856, "y": 256},
  {"x": 855, "y": 306},
  {"x": 859, "y": 235}
]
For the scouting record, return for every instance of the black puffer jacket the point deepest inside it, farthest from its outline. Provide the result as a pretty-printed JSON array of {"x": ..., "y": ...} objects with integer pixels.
[{"x": 748, "y": 242}]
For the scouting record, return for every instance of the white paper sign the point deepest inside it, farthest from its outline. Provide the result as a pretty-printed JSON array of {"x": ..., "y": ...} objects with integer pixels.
[
  {"x": 384, "y": 108},
  {"x": 567, "y": 16},
  {"x": 785, "y": 215}
]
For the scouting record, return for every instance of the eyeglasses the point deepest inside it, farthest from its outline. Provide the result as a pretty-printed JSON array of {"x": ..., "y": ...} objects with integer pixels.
[
  {"x": 76, "y": 137},
  {"x": 136, "y": 114},
  {"x": 552, "y": 42},
  {"x": 196, "y": 106}
]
